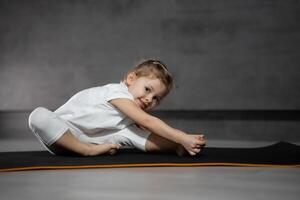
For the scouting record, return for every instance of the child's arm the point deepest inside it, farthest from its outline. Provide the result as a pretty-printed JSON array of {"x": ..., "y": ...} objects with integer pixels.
[{"x": 157, "y": 126}]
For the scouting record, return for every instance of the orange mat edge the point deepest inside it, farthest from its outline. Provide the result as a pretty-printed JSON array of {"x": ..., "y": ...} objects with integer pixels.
[{"x": 148, "y": 165}]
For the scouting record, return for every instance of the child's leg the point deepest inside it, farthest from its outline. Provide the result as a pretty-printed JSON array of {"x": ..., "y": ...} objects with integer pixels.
[
  {"x": 156, "y": 143},
  {"x": 144, "y": 140},
  {"x": 56, "y": 136},
  {"x": 69, "y": 144}
]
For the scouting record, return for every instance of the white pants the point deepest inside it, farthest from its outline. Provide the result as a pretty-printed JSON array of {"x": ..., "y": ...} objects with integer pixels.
[{"x": 48, "y": 128}]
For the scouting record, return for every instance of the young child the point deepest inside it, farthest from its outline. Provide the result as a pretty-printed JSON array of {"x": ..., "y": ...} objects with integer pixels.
[{"x": 103, "y": 119}]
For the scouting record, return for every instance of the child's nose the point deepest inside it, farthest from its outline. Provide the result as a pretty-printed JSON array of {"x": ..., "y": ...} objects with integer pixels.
[{"x": 149, "y": 98}]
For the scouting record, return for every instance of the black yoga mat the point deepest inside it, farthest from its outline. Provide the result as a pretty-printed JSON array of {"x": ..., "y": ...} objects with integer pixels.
[{"x": 281, "y": 154}]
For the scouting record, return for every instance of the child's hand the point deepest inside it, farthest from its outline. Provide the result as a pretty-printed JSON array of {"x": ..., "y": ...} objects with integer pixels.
[
  {"x": 99, "y": 149},
  {"x": 193, "y": 143}
]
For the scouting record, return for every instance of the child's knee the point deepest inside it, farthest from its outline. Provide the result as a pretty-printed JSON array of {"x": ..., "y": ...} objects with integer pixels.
[
  {"x": 46, "y": 125},
  {"x": 38, "y": 118}
]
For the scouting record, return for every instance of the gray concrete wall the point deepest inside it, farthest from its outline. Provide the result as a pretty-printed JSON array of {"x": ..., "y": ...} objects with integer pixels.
[{"x": 233, "y": 54}]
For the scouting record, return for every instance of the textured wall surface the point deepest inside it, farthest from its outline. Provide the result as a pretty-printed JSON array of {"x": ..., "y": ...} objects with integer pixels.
[{"x": 233, "y": 54}]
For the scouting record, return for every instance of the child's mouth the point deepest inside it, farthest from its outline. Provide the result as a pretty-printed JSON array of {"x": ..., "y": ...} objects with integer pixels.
[{"x": 142, "y": 104}]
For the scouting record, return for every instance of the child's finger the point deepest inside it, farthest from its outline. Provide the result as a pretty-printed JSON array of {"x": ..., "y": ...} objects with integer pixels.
[
  {"x": 203, "y": 143},
  {"x": 200, "y": 137},
  {"x": 200, "y": 146},
  {"x": 197, "y": 150},
  {"x": 112, "y": 151},
  {"x": 200, "y": 142},
  {"x": 114, "y": 146},
  {"x": 192, "y": 153}
]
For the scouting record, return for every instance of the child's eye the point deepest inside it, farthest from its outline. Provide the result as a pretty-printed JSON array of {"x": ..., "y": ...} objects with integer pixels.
[{"x": 147, "y": 89}]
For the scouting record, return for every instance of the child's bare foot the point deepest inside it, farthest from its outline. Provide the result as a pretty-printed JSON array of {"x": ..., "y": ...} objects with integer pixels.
[
  {"x": 99, "y": 149},
  {"x": 181, "y": 151}
]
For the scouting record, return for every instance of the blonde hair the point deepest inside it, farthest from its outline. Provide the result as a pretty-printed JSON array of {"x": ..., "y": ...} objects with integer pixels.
[{"x": 152, "y": 68}]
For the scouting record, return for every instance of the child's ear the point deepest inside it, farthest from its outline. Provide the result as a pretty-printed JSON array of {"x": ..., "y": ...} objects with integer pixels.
[{"x": 131, "y": 77}]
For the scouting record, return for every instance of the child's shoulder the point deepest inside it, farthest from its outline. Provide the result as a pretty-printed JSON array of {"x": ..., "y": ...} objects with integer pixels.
[
  {"x": 109, "y": 89},
  {"x": 117, "y": 90},
  {"x": 116, "y": 86},
  {"x": 109, "y": 86}
]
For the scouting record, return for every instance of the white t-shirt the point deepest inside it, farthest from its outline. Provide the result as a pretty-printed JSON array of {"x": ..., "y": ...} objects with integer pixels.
[{"x": 90, "y": 111}]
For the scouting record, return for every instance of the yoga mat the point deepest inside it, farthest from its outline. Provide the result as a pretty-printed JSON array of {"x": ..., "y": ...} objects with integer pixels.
[{"x": 281, "y": 154}]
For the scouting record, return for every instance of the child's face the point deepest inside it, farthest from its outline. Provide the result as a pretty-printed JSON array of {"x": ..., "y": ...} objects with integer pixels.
[{"x": 147, "y": 92}]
